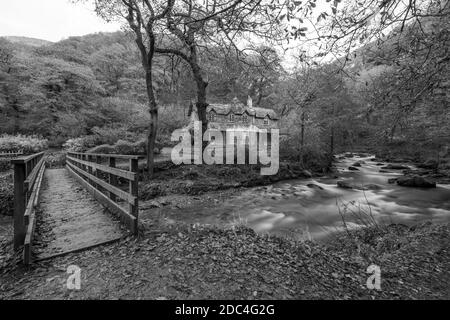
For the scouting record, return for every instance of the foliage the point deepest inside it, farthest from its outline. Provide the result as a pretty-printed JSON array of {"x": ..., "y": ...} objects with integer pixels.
[
  {"x": 103, "y": 149},
  {"x": 28, "y": 144},
  {"x": 110, "y": 135},
  {"x": 81, "y": 144},
  {"x": 6, "y": 195},
  {"x": 5, "y": 164},
  {"x": 122, "y": 147},
  {"x": 55, "y": 159}
]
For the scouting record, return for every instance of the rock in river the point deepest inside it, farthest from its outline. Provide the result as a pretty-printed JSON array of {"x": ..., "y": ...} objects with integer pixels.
[
  {"x": 344, "y": 185},
  {"x": 395, "y": 167},
  {"x": 429, "y": 164},
  {"x": 415, "y": 181},
  {"x": 353, "y": 169},
  {"x": 314, "y": 186},
  {"x": 372, "y": 186}
]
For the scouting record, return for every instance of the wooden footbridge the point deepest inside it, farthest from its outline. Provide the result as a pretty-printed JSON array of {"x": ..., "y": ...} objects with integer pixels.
[{"x": 92, "y": 201}]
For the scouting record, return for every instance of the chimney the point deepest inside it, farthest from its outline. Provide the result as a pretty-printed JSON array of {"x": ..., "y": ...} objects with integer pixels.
[{"x": 249, "y": 102}]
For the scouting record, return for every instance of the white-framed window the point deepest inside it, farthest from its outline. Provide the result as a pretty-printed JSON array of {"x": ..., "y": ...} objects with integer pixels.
[
  {"x": 212, "y": 116},
  {"x": 266, "y": 121},
  {"x": 245, "y": 118},
  {"x": 231, "y": 117}
]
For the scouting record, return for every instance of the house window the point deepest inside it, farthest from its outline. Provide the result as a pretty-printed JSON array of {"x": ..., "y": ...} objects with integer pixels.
[
  {"x": 245, "y": 118},
  {"x": 266, "y": 121},
  {"x": 232, "y": 117},
  {"x": 212, "y": 117}
]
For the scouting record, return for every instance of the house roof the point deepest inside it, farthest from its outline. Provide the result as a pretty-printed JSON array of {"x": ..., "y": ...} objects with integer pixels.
[{"x": 238, "y": 107}]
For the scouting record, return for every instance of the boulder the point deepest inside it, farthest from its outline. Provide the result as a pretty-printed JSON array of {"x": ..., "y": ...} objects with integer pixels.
[
  {"x": 429, "y": 164},
  {"x": 392, "y": 180},
  {"x": 357, "y": 164},
  {"x": 415, "y": 181},
  {"x": 348, "y": 154},
  {"x": 361, "y": 154},
  {"x": 344, "y": 185},
  {"x": 372, "y": 186},
  {"x": 314, "y": 186},
  {"x": 379, "y": 164},
  {"x": 395, "y": 167},
  {"x": 369, "y": 186},
  {"x": 353, "y": 169},
  {"x": 399, "y": 160}
]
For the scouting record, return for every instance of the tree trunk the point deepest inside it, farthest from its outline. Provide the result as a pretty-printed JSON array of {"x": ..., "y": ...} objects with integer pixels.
[
  {"x": 201, "y": 91},
  {"x": 330, "y": 164},
  {"x": 153, "y": 125},
  {"x": 302, "y": 137}
]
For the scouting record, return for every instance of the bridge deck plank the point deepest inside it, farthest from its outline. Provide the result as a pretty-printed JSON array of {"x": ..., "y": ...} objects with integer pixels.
[{"x": 70, "y": 218}]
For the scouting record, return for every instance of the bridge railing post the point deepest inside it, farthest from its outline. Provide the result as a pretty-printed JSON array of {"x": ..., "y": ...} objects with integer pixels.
[
  {"x": 98, "y": 160},
  {"x": 134, "y": 207},
  {"x": 20, "y": 175},
  {"x": 112, "y": 178},
  {"x": 89, "y": 158}
]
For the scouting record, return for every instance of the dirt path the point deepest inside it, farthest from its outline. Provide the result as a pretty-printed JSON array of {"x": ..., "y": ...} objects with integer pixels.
[{"x": 69, "y": 217}]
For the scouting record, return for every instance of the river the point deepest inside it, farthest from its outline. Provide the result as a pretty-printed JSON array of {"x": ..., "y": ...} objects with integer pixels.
[{"x": 315, "y": 212}]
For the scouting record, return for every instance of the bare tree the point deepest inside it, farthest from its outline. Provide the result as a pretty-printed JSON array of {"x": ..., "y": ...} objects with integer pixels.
[
  {"x": 196, "y": 27},
  {"x": 144, "y": 19}
]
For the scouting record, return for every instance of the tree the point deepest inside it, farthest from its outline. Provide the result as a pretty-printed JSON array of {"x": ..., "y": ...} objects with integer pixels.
[
  {"x": 200, "y": 28},
  {"x": 143, "y": 18}
]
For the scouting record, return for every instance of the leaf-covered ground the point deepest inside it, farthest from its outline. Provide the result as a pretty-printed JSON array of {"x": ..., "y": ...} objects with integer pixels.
[{"x": 197, "y": 262}]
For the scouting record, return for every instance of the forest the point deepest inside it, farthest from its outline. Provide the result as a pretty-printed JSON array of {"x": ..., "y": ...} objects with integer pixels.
[
  {"x": 378, "y": 97},
  {"x": 362, "y": 92}
]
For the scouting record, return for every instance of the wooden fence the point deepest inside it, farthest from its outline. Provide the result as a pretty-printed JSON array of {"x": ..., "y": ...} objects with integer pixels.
[
  {"x": 28, "y": 173},
  {"x": 100, "y": 176}
]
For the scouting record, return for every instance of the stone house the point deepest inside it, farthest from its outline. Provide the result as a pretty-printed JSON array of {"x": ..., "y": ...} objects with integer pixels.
[{"x": 238, "y": 116}]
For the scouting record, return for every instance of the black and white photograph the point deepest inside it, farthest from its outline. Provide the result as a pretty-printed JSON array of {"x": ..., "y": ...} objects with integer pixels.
[{"x": 218, "y": 157}]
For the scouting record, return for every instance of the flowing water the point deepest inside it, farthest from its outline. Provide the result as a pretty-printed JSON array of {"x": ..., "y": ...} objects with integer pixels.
[{"x": 298, "y": 208}]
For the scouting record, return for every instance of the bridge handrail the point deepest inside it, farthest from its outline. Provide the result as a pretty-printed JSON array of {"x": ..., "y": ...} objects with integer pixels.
[
  {"x": 87, "y": 168},
  {"x": 108, "y": 155},
  {"x": 28, "y": 172}
]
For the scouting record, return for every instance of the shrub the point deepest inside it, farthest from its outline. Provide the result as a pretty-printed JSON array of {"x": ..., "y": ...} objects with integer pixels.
[
  {"x": 56, "y": 142},
  {"x": 124, "y": 147},
  {"x": 140, "y": 146},
  {"x": 102, "y": 136},
  {"x": 104, "y": 148},
  {"x": 56, "y": 160},
  {"x": 6, "y": 195},
  {"x": 82, "y": 144},
  {"x": 28, "y": 144},
  {"x": 5, "y": 165},
  {"x": 111, "y": 135}
]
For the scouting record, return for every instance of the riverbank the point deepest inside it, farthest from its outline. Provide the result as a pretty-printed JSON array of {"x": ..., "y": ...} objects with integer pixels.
[
  {"x": 170, "y": 179},
  {"x": 187, "y": 262}
]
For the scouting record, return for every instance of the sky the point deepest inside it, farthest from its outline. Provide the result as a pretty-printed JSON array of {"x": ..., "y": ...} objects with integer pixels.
[{"x": 51, "y": 20}]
